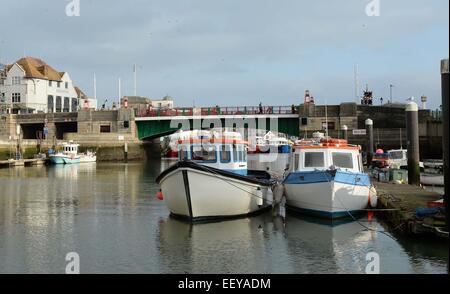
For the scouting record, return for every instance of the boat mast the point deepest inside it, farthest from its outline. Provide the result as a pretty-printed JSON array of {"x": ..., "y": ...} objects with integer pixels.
[{"x": 326, "y": 118}]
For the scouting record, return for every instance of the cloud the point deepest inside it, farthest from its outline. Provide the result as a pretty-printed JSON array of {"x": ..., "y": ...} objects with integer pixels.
[{"x": 221, "y": 52}]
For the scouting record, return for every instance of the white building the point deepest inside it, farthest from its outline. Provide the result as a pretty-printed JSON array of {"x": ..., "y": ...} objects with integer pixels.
[{"x": 31, "y": 86}]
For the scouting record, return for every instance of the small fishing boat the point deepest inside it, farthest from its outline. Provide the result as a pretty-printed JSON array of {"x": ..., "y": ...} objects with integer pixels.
[
  {"x": 328, "y": 179},
  {"x": 211, "y": 180},
  {"x": 69, "y": 154},
  {"x": 88, "y": 157}
]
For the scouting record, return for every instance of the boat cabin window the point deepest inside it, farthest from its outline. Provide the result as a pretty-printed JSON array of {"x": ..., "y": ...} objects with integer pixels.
[
  {"x": 343, "y": 160},
  {"x": 239, "y": 153},
  {"x": 205, "y": 153},
  {"x": 314, "y": 159},
  {"x": 225, "y": 153},
  {"x": 396, "y": 155}
]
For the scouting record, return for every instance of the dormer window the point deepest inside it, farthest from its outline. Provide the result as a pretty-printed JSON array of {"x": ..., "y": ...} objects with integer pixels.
[
  {"x": 16, "y": 80},
  {"x": 50, "y": 83}
]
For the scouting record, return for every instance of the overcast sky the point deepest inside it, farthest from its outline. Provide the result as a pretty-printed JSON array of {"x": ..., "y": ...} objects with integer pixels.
[{"x": 235, "y": 52}]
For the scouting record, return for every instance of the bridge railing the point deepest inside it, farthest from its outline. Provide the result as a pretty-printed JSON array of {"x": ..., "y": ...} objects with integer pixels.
[{"x": 205, "y": 111}]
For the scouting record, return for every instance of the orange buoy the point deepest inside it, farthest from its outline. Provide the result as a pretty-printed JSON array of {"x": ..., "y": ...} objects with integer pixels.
[
  {"x": 369, "y": 216},
  {"x": 159, "y": 195}
]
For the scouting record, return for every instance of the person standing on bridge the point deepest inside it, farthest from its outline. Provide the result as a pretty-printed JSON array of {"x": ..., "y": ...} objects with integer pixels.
[{"x": 260, "y": 108}]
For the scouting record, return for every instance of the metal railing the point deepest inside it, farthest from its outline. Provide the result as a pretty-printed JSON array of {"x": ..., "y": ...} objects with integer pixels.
[{"x": 205, "y": 111}]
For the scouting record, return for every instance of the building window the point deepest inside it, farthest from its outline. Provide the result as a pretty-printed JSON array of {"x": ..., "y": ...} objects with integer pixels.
[
  {"x": 74, "y": 104},
  {"x": 50, "y": 103},
  {"x": 16, "y": 97},
  {"x": 105, "y": 129},
  {"x": 58, "y": 84},
  {"x": 50, "y": 83},
  {"x": 66, "y": 104},
  {"x": 331, "y": 125},
  {"x": 2, "y": 98},
  {"x": 58, "y": 104},
  {"x": 16, "y": 80},
  {"x": 66, "y": 85}
]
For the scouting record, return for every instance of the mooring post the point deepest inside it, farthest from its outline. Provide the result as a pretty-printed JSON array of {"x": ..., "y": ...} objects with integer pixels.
[
  {"x": 345, "y": 129},
  {"x": 412, "y": 135},
  {"x": 445, "y": 98},
  {"x": 369, "y": 135},
  {"x": 125, "y": 149}
]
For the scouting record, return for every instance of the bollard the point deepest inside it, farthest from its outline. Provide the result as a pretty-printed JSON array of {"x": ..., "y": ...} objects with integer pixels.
[
  {"x": 345, "y": 129},
  {"x": 412, "y": 135},
  {"x": 445, "y": 141},
  {"x": 369, "y": 136},
  {"x": 125, "y": 149}
]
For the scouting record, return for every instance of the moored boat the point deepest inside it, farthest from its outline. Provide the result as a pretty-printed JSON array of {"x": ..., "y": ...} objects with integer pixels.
[
  {"x": 211, "y": 180},
  {"x": 328, "y": 179},
  {"x": 88, "y": 157},
  {"x": 69, "y": 154}
]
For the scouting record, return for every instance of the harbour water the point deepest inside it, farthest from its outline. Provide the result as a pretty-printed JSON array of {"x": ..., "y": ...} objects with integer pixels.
[{"x": 109, "y": 215}]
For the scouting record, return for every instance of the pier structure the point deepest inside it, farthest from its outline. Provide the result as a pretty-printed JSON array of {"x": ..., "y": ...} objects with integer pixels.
[
  {"x": 412, "y": 134},
  {"x": 445, "y": 109}
]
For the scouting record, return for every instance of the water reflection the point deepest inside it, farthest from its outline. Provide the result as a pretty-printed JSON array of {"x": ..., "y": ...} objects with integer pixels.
[{"x": 108, "y": 214}]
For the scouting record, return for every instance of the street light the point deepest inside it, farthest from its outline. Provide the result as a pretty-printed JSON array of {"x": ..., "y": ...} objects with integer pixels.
[{"x": 390, "y": 92}]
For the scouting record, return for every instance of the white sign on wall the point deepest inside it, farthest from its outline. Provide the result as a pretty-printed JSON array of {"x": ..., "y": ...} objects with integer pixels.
[{"x": 361, "y": 132}]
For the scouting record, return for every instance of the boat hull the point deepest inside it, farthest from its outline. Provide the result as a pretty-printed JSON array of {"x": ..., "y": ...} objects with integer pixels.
[
  {"x": 198, "y": 194},
  {"x": 87, "y": 159},
  {"x": 64, "y": 160},
  {"x": 325, "y": 195}
]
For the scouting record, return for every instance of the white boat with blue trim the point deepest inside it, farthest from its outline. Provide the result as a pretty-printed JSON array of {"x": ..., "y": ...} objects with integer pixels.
[
  {"x": 328, "y": 179},
  {"x": 69, "y": 154},
  {"x": 211, "y": 180}
]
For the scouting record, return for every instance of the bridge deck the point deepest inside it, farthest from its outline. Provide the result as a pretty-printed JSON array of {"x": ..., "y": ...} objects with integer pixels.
[{"x": 218, "y": 112}]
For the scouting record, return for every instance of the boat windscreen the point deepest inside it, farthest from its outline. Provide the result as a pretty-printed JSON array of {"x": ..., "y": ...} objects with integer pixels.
[
  {"x": 314, "y": 159},
  {"x": 342, "y": 159},
  {"x": 205, "y": 153}
]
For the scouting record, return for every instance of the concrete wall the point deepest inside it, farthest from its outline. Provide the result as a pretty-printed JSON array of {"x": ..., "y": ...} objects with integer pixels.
[{"x": 109, "y": 146}]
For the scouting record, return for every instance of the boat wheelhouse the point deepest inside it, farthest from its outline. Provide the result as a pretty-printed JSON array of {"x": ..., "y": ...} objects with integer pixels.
[{"x": 328, "y": 179}]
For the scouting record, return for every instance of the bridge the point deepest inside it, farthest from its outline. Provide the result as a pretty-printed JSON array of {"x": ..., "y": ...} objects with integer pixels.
[{"x": 153, "y": 124}]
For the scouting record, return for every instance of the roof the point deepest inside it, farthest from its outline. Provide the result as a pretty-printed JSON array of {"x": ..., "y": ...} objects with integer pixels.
[
  {"x": 80, "y": 94},
  {"x": 37, "y": 68}
]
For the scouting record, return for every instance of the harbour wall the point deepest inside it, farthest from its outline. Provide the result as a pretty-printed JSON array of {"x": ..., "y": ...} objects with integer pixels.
[{"x": 111, "y": 134}]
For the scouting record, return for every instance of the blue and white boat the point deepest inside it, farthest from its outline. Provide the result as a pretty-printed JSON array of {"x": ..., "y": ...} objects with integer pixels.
[
  {"x": 211, "y": 180},
  {"x": 69, "y": 155},
  {"x": 328, "y": 179}
]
